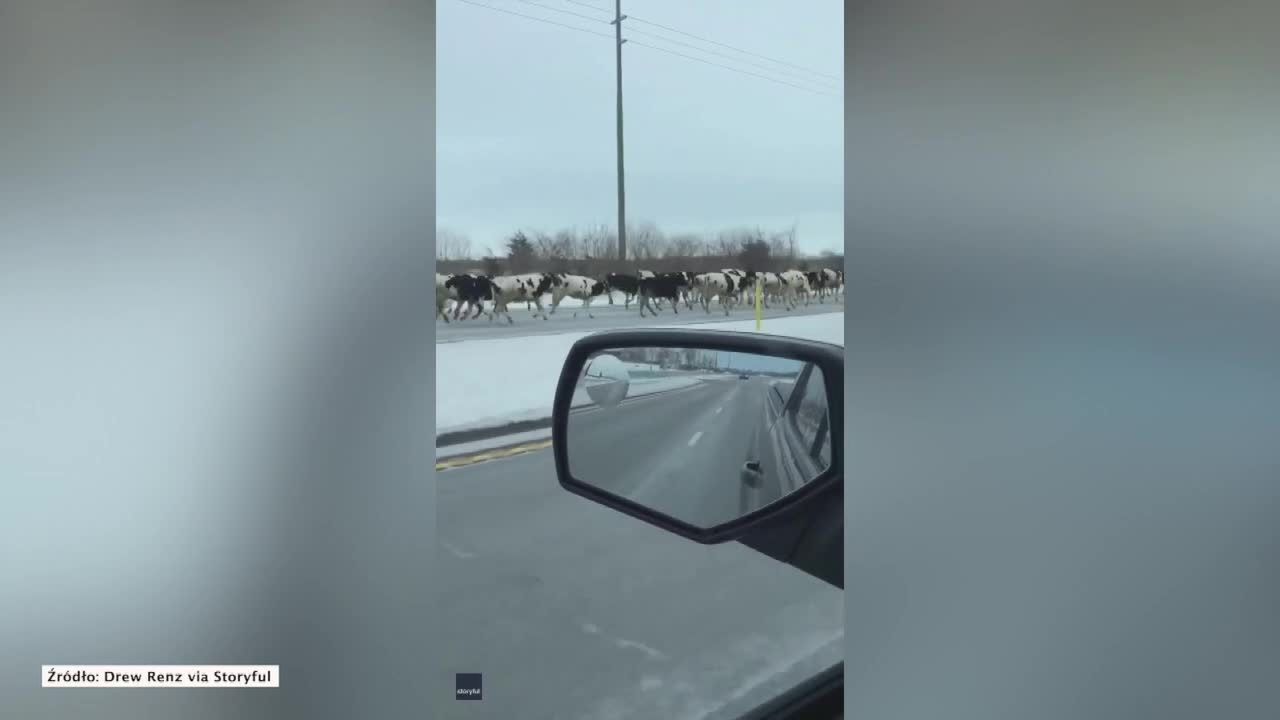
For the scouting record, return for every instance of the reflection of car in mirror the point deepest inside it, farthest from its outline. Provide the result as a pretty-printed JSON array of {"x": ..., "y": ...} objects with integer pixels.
[{"x": 605, "y": 380}]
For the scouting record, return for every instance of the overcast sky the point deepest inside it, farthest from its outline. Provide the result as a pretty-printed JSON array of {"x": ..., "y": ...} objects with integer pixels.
[{"x": 526, "y": 125}]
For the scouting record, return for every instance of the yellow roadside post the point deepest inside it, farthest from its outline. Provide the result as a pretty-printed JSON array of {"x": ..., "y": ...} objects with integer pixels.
[{"x": 759, "y": 304}]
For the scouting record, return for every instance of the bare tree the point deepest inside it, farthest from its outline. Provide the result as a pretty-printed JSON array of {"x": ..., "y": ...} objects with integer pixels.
[
  {"x": 685, "y": 245},
  {"x": 600, "y": 242},
  {"x": 452, "y": 245},
  {"x": 645, "y": 241},
  {"x": 728, "y": 243}
]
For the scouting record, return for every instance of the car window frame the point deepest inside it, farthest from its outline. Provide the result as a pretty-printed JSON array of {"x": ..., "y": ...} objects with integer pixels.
[{"x": 791, "y": 410}]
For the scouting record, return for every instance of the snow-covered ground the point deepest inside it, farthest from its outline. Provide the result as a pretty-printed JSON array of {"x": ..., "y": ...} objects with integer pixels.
[{"x": 492, "y": 382}]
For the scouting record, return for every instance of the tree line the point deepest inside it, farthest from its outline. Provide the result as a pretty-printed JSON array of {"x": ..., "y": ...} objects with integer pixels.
[{"x": 593, "y": 251}]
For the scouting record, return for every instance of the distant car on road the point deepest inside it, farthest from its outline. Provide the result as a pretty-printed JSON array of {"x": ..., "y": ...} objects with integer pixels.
[{"x": 742, "y": 376}]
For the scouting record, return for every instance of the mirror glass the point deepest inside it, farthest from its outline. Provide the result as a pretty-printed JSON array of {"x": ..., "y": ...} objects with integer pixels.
[{"x": 702, "y": 436}]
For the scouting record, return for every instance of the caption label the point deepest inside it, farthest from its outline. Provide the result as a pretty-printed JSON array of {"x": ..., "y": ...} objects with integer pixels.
[{"x": 153, "y": 676}]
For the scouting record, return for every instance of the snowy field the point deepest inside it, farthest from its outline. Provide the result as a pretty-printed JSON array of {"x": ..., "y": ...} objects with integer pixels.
[{"x": 492, "y": 382}]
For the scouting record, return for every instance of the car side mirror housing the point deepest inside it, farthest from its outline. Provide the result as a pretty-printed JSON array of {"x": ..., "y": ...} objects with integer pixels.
[{"x": 706, "y": 434}]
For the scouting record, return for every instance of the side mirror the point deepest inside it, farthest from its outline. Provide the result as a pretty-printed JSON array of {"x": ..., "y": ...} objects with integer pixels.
[{"x": 706, "y": 434}]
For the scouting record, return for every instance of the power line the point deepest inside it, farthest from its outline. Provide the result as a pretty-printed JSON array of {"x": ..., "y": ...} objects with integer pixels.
[
  {"x": 720, "y": 54},
  {"x": 589, "y": 5},
  {"x": 698, "y": 37},
  {"x": 566, "y": 12},
  {"x": 645, "y": 45},
  {"x": 731, "y": 47},
  {"x": 531, "y": 17},
  {"x": 726, "y": 67}
]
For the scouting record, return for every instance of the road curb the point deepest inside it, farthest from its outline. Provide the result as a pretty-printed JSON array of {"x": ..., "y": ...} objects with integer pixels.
[
  {"x": 458, "y": 437},
  {"x": 492, "y": 454}
]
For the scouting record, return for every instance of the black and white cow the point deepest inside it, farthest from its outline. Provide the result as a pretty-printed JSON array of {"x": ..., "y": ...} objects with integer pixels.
[
  {"x": 746, "y": 280},
  {"x": 578, "y": 287},
  {"x": 642, "y": 274},
  {"x": 822, "y": 283},
  {"x": 442, "y": 296},
  {"x": 795, "y": 287},
  {"x": 772, "y": 286},
  {"x": 527, "y": 287},
  {"x": 688, "y": 291},
  {"x": 628, "y": 285},
  {"x": 470, "y": 291},
  {"x": 817, "y": 282},
  {"x": 666, "y": 286},
  {"x": 717, "y": 285}
]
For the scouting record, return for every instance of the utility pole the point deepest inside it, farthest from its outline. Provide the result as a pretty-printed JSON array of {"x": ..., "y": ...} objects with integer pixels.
[{"x": 622, "y": 195}]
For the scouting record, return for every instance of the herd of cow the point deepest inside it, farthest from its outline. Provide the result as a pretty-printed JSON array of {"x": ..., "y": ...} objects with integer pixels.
[{"x": 471, "y": 292}]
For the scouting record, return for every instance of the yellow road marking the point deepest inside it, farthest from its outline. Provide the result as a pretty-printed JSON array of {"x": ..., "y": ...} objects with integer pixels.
[{"x": 464, "y": 460}]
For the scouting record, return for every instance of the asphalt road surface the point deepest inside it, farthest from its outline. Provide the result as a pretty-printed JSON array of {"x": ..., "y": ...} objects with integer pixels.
[
  {"x": 681, "y": 452},
  {"x": 571, "y": 610},
  {"x": 606, "y": 317}
]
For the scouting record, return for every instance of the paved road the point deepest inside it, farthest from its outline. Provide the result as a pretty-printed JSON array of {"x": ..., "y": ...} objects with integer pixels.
[
  {"x": 574, "y": 611},
  {"x": 606, "y": 317},
  {"x": 682, "y": 452}
]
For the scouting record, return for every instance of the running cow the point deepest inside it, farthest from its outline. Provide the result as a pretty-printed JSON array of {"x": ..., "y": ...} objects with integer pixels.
[
  {"x": 442, "y": 296},
  {"x": 529, "y": 287},
  {"x": 717, "y": 285},
  {"x": 470, "y": 291},
  {"x": 628, "y": 285},
  {"x": 666, "y": 286},
  {"x": 794, "y": 286},
  {"x": 578, "y": 287}
]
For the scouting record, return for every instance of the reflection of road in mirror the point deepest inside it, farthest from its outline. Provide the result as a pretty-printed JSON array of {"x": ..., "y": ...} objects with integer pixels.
[{"x": 682, "y": 451}]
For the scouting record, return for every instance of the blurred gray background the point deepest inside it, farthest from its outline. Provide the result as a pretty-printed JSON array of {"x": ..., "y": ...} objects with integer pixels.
[
  {"x": 215, "y": 373},
  {"x": 1064, "y": 480}
]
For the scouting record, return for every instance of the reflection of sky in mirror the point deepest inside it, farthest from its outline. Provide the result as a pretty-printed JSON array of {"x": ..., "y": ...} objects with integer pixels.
[{"x": 758, "y": 363}]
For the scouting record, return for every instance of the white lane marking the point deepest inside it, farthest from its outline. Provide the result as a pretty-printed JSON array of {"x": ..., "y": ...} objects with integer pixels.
[
  {"x": 624, "y": 644},
  {"x": 650, "y": 682},
  {"x": 463, "y": 554},
  {"x": 695, "y": 437},
  {"x": 718, "y": 410}
]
